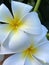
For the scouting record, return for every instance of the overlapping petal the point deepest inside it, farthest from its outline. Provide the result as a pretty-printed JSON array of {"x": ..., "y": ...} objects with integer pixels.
[
  {"x": 43, "y": 49},
  {"x": 37, "y": 38},
  {"x": 33, "y": 61},
  {"x": 20, "y": 9},
  {"x": 4, "y": 51},
  {"x": 19, "y": 41},
  {"x": 5, "y": 35},
  {"x": 31, "y": 23},
  {"x": 4, "y": 32},
  {"x": 16, "y": 59},
  {"x": 5, "y": 15}
]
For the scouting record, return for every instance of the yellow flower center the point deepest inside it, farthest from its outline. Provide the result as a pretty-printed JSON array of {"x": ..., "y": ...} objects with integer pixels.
[
  {"x": 15, "y": 24},
  {"x": 29, "y": 52}
]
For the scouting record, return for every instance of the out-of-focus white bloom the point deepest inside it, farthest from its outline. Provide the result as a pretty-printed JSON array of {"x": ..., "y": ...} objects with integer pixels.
[{"x": 36, "y": 54}]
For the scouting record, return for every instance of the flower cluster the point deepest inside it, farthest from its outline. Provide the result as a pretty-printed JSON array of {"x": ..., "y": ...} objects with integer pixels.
[{"x": 23, "y": 34}]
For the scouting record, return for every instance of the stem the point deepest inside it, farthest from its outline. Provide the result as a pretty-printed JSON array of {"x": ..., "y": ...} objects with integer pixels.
[
  {"x": 48, "y": 34},
  {"x": 37, "y": 5}
]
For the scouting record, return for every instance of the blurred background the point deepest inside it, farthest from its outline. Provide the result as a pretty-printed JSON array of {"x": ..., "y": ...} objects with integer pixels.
[{"x": 43, "y": 9}]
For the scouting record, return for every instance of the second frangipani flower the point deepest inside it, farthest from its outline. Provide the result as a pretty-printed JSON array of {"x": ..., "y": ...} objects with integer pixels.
[{"x": 36, "y": 54}]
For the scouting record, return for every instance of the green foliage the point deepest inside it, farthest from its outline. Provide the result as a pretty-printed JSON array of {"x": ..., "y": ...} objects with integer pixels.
[
  {"x": 44, "y": 10},
  {"x": 47, "y": 36}
]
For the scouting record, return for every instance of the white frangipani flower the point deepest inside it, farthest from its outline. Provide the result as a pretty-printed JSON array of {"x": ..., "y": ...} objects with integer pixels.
[
  {"x": 36, "y": 54},
  {"x": 17, "y": 30},
  {"x": 12, "y": 25}
]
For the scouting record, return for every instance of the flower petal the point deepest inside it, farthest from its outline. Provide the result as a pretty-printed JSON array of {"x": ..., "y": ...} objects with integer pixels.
[
  {"x": 20, "y": 9},
  {"x": 39, "y": 37},
  {"x": 19, "y": 41},
  {"x": 4, "y": 47},
  {"x": 43, "y": 53},
  {"x": 33, "y": 61},
  {"x": 31, "y": 23},
  {"x": 4, "y": 32},
  {"x": 16, "y": 59},
  {"x": 5, "y": 15},
  {"x": 4, "y": 50}
]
